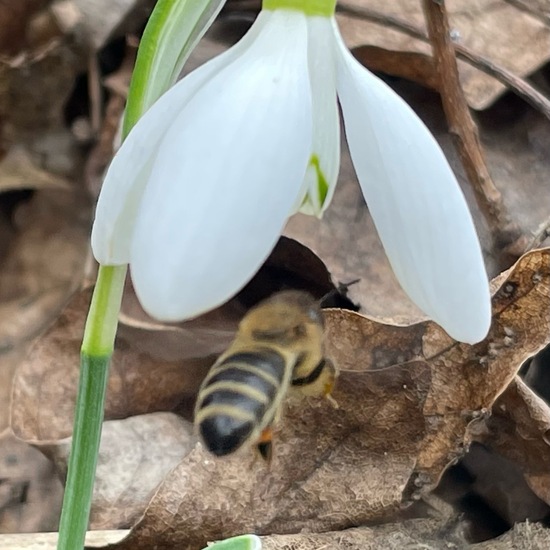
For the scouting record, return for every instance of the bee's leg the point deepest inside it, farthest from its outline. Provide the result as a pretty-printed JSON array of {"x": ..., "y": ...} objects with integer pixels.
[
  {"x": 319, "y": 382},
  {"x": 265, "y": 444}
]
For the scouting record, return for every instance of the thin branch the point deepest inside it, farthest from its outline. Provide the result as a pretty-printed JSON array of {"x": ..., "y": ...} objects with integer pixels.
[{"x": 462, "y": 127}]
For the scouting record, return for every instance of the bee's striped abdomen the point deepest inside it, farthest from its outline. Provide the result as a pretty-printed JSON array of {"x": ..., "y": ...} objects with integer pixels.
[{"x": 237, "y": 398}]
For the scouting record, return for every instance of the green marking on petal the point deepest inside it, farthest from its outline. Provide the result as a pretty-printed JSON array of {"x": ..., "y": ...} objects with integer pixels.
[
  {"x": 322, "y": 185},
  {"x": 324, "y": 8}
]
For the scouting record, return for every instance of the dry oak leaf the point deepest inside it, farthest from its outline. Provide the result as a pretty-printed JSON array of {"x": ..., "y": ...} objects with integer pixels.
[
  {"x": 134, "y": 457},
  {"x": 48, "y": 249},
  {"x": 21, "y": 321},
  {"x": 30, "y": 491},
  {"x": 417, "y": 534},
  {"x": 495, "y": 29},
  {"x": 466, "y": 380},
  {"x": 519, "y": 429},
  {"x": 151, "y": 370},
  {"x": 332, "y": 468},
  {"x": 406, "y": 398}
]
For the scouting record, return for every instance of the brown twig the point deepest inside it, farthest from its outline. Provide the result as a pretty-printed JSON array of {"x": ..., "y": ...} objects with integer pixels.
[
  {"x": 518, "y": 85},
  {"x": 461, "y": 125}
]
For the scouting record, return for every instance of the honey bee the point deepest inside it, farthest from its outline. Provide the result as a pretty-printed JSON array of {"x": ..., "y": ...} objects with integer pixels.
[{"x": 279, "y": 345}]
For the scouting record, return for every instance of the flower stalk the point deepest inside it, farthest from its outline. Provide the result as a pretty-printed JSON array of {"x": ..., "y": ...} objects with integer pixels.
[
  {"x": 97, "y": 348},
  {"x": 157, "y": 67}
]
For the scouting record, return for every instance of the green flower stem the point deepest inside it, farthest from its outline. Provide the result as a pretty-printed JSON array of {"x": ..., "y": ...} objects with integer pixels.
[
  {"x": 324, "y": 8},
  {"x": 97, "y": 348},
  {"x": 173, "y": 28}
]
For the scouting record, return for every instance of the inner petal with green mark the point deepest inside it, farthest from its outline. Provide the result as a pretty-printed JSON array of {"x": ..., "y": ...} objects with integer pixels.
[{"x": 322, "y": 185}]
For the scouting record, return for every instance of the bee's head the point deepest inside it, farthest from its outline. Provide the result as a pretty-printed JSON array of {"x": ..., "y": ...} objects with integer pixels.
[{"x": 285, "y": 317}]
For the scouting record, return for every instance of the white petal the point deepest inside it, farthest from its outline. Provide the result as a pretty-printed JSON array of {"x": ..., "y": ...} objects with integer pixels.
[
  {"x": 323, "y": 170},
  {"x": 417, "y": 206},
  {"x": 226, "y": 176},
  {"x": 130, "y": 169}
]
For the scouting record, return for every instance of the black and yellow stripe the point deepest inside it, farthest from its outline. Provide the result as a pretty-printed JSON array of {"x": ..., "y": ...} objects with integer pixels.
[{"x": 237, "y": 398}]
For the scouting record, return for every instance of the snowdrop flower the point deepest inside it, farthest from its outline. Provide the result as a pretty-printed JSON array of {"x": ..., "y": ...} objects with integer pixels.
[{"x": 199, "y": 192}]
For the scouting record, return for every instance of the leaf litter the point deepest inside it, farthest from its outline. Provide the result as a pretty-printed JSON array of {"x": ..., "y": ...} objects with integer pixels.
[{"x": 411, "y": 400}]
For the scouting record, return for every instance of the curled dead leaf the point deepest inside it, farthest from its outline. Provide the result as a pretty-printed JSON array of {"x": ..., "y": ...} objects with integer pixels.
[
  {"x": 466, "y": 380},
  {"x": 518, "y": 430}
]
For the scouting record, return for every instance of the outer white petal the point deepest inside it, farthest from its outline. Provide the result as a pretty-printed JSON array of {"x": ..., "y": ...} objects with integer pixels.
[
  {"x": 417, "y": 206},
  {"x": 226, "y": 176},
  {"x": 130, "y": 169},
  {"x": 322, "y": 173}
]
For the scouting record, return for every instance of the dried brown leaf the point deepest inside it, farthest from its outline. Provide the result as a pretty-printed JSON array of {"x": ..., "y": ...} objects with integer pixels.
[
  {"x": 412, "y": 534},
  {"x": 14, "y": 20},
  {"x": 18, "y": 171},
  {"x": 21, "y": 321},
  {"x": 519, "y": 429},
  {"x": 98, "y": 21},
  {"x": 526, "y": 535},
  {"x": 134, "y": 457},
  {"x": 41, "y": 266},
  {"x": 9, "y": 360},
  {"x": 419, "y": 533},
  {"x": 49, "y": 248},
  {"x": 332, "y": 468},
  {"x": 35, "y": 89},
  {"x": 147, "y": 375},
  {"x": 30, "y": 492},
  {"x": 413, "y": 66},
  {"x": 496, "y": 30},
  {"x": 466, "y": 380},
  {"x": 48, "y": 541}
]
